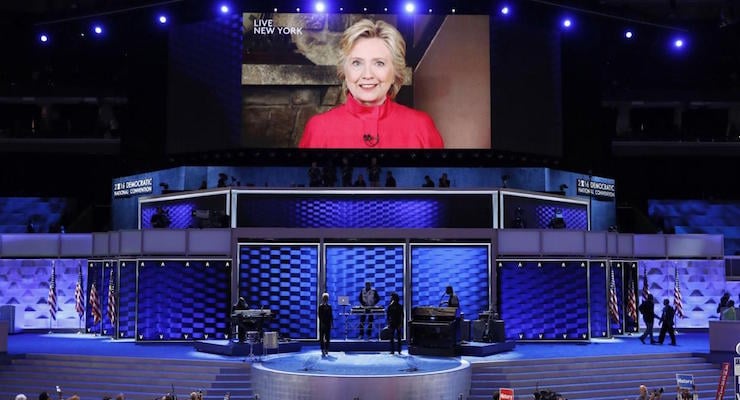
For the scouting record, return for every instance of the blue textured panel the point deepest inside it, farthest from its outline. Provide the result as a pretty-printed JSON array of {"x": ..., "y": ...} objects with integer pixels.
[
  {"x": 630, "y": 278},
  {"x": 283, "y": 278},
  {"x": 576, "y": 218},
  {"x": 464, "y": 267},
  {"x": 598, "y": 293},
  {"x": 366, "y": 211},
  {"x": 180, "y": 211},
  {"x": 547, "y": 302},
  {"x": 177, "y": 301},
  {"x": 349, "y": 267},
  {"x": 94, "y": 278},
  {"x": 617, "y": 328},
  {"x": 127, "y": 299},
  {"x": 32, "y": 214}
]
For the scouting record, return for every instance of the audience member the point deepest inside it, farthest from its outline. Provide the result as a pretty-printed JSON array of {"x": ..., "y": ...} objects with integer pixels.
[
  {"x": 222, "y": 178},
  {"x": 444, "y": 182},
  {"x": 373, "y": 173},
  {"x": 729, "y": 313},
  {"x": 428, "y": 182},
  {"x": 723, "y": 302},
  {"x": 315, "y": 175},
  {"x": 360, "y": 182},
  {"x": 347, "y": 172},
  {"x": 330, "y": 174},
  {"x": 390, "y": 180}
]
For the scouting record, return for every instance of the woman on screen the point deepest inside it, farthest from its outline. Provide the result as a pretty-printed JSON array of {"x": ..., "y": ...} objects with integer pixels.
[{"x": 372, "y": 67}]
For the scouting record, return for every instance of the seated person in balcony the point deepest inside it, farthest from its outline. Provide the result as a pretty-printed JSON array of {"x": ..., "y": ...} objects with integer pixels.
[{"x": 452, "y": 299}]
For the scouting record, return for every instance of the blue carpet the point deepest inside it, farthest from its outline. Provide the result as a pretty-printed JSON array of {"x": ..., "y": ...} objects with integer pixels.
[{"x": 84, "y": 344}]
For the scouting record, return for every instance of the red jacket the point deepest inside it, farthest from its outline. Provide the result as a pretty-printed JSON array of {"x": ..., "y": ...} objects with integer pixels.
[{"x": 354, "y": 126}]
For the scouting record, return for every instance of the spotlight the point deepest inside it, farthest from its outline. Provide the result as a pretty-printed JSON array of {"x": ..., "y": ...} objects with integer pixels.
[
  {"x": 320, "y": 6},
  {"x": 629, "y": 34},
  {"x": 98, "y": 29},
  {"x": 162, "y": 19},
  {"x": 298, "y": 9},
  {"x": 678, "y": 43},
  {"x": 43, "y": 38},
  {"x": 224, "y": 9},
  {"x": 409, "y": 7},
  {"x": 505, "y": 10},
  {"x": 567, "y": 23}
]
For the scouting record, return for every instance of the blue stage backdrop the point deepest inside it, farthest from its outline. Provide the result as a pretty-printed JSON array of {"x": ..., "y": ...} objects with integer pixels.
[
  {"x": 598, "y": 299},
  {"x": 463, "y": 266},
  {"x": 348, "y": 267},
  {"x": 701, "y": 282},
  {"x": 95, "y": 270},
  {"x": 183, "y": 299},
  {"x": 544, "y": 300},
  {"x": 360, "y": 210},
  {"x": 205, "y": 211},
  {"x": 127, "y": 299},
  {"x": 631, "y": 281},
  {"x": 283, "y": 278}
]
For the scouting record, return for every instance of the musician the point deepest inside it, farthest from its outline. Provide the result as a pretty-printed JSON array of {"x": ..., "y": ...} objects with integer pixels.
[
  {"x": 326, "y": 320},
  {"x": 369, "y": 297},
  {"x": 394, "y": 316},
  {"x": 452, "y": 299},
  {"x": 242, "y": 324}
]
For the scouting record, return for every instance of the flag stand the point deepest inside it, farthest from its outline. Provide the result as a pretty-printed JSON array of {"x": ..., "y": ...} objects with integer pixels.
[
  {"x": 50, "y": 329},
  {"x": 79, "y": 326}
]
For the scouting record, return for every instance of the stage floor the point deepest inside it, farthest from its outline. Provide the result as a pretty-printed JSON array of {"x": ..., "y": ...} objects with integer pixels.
[{"x": 85, "y": 344}]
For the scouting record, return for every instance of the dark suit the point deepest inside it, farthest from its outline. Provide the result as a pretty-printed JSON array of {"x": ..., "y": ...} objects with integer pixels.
[
  {"x": 666, "y": 324},
  {"x": 326, "y": 320},
  {"x": 647, "y": 308},
  {"x": 394, "y": 315}
]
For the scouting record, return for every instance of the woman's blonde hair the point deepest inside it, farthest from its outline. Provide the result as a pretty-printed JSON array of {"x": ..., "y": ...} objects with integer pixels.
[{"x": 367, "y": 29}]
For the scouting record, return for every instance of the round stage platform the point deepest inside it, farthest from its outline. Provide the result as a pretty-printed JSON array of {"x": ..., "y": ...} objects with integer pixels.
[{"x": 358, "y": 376}]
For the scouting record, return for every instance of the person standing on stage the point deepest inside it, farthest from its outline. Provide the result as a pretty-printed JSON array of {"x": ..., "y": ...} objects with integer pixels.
[
  {"x": 326, "y": 320},
  {"x": 369, "y": 297},
  {"x": 394, "y": 317},
  {"x": 241, "y": 323},
  {"x": 452, "y": 299},
  {"x": 647, "y": 309},
  {"x": 666, "y": 322}
]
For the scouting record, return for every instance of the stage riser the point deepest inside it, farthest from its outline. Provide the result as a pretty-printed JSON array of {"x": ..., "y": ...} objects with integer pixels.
[{"x": 584, "y": 379}]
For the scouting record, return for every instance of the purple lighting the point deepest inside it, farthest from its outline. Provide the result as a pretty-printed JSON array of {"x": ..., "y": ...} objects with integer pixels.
[
  {"x": 567, "y": 23},
  {"x": 98, "y": 29},
  {"x": 678, "y": 43},
  {"x": 409, "y": 7},
  {"x": 224, "y": 9},
  {"x": 43, "y": 38},
  {"x": 320, "y": 6},
  {"x": 162, "y": 19},
  {"x": 505, "y": 10}
]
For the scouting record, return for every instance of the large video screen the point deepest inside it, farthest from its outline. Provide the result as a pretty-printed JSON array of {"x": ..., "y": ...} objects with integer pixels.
[{"x": 365, "y": 81}]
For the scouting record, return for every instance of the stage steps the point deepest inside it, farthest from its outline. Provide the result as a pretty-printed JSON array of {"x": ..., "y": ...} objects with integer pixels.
[
  {"x": 595, "y": 378},
  {"x": 92, "y": 377}
]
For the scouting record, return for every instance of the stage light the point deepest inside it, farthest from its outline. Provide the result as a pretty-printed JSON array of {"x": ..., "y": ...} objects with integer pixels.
[
  {"x": 98, "y": 29},
  {"x": 224, "y": 9},
  {"x": 567, "y": 23},
  {"x": 320, "y": 6},
  {"x": 298, "y": 9},
  {"x": 629, "y": 34},
  {"x": 678, "y": 43},
  {"x": 505, "y": 10},
  {"x": 162, "y": 19},
  {"x": 409, "y": 7},
  {"x": 430, "y": 11},
  {"x": 43, "y": 38}
]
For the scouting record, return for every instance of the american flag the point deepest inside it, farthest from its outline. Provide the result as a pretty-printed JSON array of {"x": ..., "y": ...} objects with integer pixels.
[
  {"x": 95, "y": 304},
  {"x": 112, "y": 299},
  {"x": 613, "y": 307},
  {"x": 52, "y": 299},
  {"x": 645, "y": 288},
  {"x": 631, "y": 300},
  {"x": 79, "y": 293},
  {"x": 677, "y": 299}
]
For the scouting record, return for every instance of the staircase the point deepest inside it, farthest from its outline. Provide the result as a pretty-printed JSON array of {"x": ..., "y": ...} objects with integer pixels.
[
  {"x": 596, "y": 378},
  {"x": 92, "y": 377}
]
